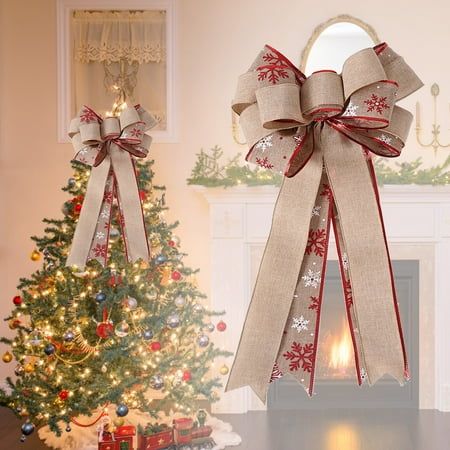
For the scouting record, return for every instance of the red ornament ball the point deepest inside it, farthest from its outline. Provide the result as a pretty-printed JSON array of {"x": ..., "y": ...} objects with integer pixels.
[
  {"x": 155, "y": 346},
  {"x": 104, "y": 330},
  {"x": 17, "y": 300},
  {"x": 221, "y": 326},
  {"x": 115, "y": 280},
  {"x": 77, "y": 207},
  {"x": 142, "y": 195},
  {"x": 172, "y": 243},
  {"x": 78, "y": 199},
  {"x": 176, "y": 275},
  {"x": 63, "y": 395},
  {"x": 187, "y": 375}
]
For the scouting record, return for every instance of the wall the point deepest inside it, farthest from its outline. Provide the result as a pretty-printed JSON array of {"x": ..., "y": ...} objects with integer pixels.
[{"x": 218, "y": 39}]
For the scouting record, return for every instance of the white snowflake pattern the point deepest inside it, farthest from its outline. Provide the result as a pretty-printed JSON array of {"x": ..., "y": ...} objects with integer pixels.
[
  {"x": 345, "y": 261},
  {"x": 363, "y": 374},
  {"x": 105, "y": 213},
  {"x": 100, "y": 235},
  {"x": 386, "y": 139},
  {"x": 316, "y": 211},
  {"x": 312, "y": 278},
  {"x": 350, "y": 110},
  {"x": 300, "y": 323},
  {"x": 264, "y": 143},
  {"x": 83, "y": 151}
]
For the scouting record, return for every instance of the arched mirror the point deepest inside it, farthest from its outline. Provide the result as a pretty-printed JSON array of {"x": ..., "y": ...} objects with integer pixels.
[{"x": 334, "y": 41}]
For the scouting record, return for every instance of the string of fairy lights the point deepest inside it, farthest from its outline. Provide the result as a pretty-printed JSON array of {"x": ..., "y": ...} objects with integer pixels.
[{"x": 64, "y": 351}]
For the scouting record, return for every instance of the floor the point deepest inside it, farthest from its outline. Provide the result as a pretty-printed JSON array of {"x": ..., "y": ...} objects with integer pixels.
[
  {"x": 355, "y": 429},
  {"x": 352, "y": 429}
]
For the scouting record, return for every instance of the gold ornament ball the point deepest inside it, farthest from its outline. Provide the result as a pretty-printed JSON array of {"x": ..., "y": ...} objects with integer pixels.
[
  {"x": 119, "y": 421},
  {"x": 7, "y": 357},
  {"x": 35, "y": 255},
  {"x": 29, "y": 368},
  {"x": 224, "y": 370}
]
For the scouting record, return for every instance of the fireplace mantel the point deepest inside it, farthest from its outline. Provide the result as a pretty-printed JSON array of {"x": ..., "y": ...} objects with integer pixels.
[{"x": 417, "y": 222}]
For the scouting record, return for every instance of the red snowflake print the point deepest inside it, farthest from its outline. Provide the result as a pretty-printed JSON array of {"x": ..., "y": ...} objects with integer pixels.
[
  {"x": 136, "y": 132},
  {"x": 99, "y": 251},
  {"x": 274, "y": 70},
  {"x": 87, "y": 115},
  {"x": 327, "y": 192},
  {"x": 375, "y": 103},
  {"x": 317, "y": 242},
  {"x": 276, "y": 373},
  {"x": 108, "y": 197},
  {"x": 348, "y": 296},
  {"x": 264, "y": 162},
  {"x": 300, "y": 356},
  {"x": 315, "y": 303}
]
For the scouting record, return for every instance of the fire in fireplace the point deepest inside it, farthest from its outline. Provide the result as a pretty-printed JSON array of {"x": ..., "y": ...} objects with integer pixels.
[{"x": 336, "y": 381}]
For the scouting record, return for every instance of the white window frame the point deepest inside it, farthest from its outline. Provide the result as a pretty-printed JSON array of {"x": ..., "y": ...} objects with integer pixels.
[{"x": 64, "y": 9}]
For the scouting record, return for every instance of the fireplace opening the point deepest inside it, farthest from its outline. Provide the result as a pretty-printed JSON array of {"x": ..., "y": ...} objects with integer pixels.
[{"x": 336, "y": 380}]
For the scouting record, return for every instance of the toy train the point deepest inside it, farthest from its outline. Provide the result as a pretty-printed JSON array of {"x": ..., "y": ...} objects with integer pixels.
[{"x": 183, "y": 435}]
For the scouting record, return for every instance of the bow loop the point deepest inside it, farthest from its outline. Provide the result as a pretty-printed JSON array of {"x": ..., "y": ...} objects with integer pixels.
[
  {"x": 91, "y": 135},
  {"x": 279, "y": 106},
  {"x": 322, "y": 95},
  {"x": 360, "y": 70},
  {"x": 110, "y": 128},
  {"x": 276, "y": 102}
]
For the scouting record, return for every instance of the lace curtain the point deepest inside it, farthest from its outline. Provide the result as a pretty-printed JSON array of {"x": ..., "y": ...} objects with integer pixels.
[{"x": 128, "y": 44}]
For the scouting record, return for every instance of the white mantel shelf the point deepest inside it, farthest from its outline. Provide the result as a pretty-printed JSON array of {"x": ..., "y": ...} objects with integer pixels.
[
  {"x": 411, "y": 193},
  {"x": 416, "y": 217}
]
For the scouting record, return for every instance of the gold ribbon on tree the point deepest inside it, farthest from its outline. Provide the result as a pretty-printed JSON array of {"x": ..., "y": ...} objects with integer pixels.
[
  {"x": 109, "y": 145},
  {"x": 319, "y": 131}
]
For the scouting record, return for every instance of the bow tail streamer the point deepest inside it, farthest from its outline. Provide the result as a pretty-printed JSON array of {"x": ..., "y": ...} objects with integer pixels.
[
  {"x": 281, "y": 330},
  {"x": 135, "y": 235},
  {"x": 277, "y": 279},
  {"x": 362, "y": 230},
  {"x": 298, "y": 351},
  {"x": 88, "y": 221}
]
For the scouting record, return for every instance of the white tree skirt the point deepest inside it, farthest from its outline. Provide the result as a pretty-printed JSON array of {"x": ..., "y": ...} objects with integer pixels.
[{"x": 86, "y": 438}]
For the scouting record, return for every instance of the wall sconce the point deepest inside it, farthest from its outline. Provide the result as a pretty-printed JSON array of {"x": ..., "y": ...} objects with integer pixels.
[{"x": 435, "y": 127}]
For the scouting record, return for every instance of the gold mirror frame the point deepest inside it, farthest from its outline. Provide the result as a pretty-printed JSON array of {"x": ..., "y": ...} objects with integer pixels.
[{"x": 338, "y": 19}]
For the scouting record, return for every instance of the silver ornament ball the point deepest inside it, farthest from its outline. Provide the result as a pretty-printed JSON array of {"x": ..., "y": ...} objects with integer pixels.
[
  {"x": 203, "y": 340},
  {"x": 180, "y": 301},
  {"x": 173, "y": 321},
  {"x": 198, "y": 308},
  {"x": 157, "y": 382}
]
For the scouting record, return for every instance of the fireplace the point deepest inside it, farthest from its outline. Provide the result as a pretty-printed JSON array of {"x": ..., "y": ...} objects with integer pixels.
[
  {"x": 336, "y": 384},
  {"x": 417, "y": 221}
]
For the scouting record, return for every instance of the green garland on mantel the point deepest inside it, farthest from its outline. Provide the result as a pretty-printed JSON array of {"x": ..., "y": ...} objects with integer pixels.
[{"x": 210, "y": 171}]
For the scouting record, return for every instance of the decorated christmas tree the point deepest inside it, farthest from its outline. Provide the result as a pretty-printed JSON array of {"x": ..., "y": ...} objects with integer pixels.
[{"x": 132, "y": 334}]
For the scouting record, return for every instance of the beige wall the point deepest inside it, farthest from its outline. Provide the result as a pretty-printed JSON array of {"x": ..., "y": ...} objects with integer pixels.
[{"x": 217, "y": 41}]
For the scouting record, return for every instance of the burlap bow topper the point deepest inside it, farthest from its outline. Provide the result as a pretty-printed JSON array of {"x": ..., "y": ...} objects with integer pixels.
[
  {"x": 109, "y": 145},
  {"x": 319, "y": 131}
]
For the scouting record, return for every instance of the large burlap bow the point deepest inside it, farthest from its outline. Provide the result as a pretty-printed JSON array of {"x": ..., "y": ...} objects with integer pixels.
[
  {"x": 318, "y": 131},
  {"x": 108, "y": 145}
]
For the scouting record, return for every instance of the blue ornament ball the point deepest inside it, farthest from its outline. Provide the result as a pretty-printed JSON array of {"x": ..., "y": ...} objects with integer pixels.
[
  {"x": 49, "y": 349},
  {"x": 69, "y": 336},
  {"x": 100, "y": 297},
  {"x": 161, "y": 259},
  {"x": 122, "y": 410},
  {"x": 27, "y": 428},
  {"x": 147, "y": 334}
]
